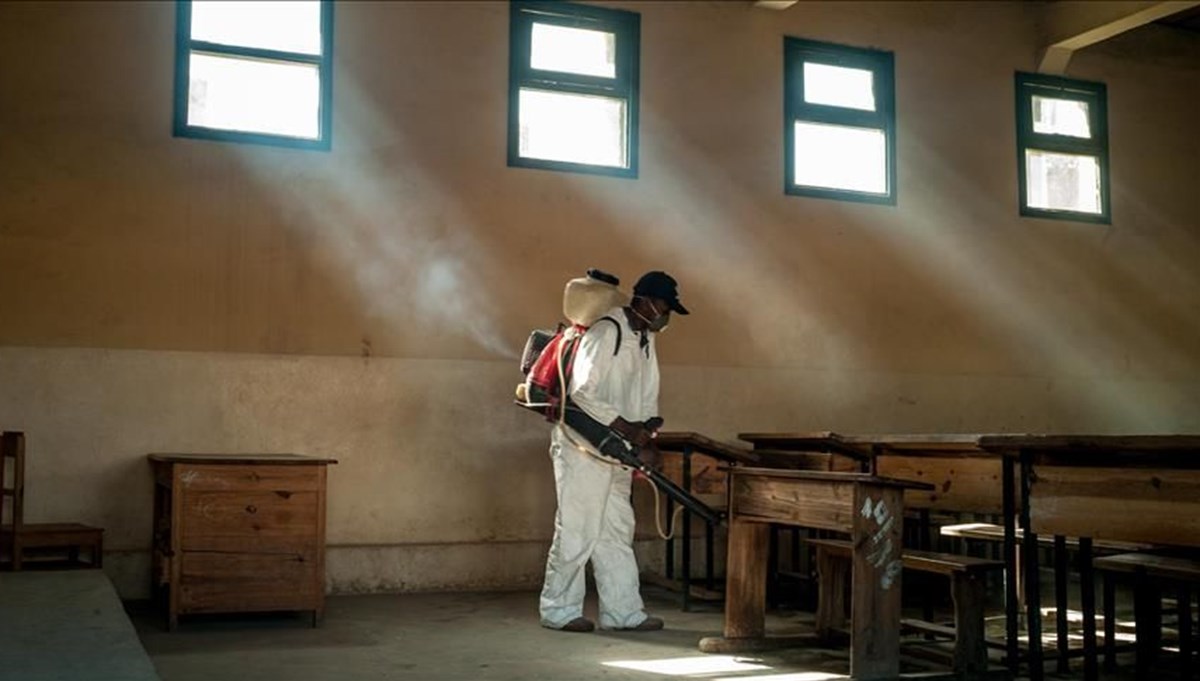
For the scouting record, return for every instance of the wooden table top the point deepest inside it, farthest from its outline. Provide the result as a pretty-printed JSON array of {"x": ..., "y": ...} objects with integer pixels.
[
  {"x": 863, "y": 447},
  {"x": 1081, "y": 443},
  {"x": 1138, "y": 451},
  {"x": 817, "y": 441},
  {"x": 275, "y": 459},
  {"x": 827, "y": 476},
  {"x": 677, "y": 440},
  {"x": 940, "y": 444}
]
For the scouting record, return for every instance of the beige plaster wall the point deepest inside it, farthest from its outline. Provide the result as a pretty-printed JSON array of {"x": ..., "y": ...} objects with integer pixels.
[{"x": 368, "y": 303}]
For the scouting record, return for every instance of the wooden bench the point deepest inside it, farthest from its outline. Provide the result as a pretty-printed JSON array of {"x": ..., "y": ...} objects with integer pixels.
[
  {"x": 990, "y": 532},
  {"x": 1149, "y": 572},
  {"x": 966, "y": 576}
]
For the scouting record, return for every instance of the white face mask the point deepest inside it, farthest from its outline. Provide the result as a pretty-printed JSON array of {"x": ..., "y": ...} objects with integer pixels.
[{"x": 660, "y": 321}]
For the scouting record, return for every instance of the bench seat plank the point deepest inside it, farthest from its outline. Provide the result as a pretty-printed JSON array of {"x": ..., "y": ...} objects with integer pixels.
[
  {"x": 1168, "y": 567},
  {"x": 924, "y": 561},
  {"x": 993, "y": 532}
]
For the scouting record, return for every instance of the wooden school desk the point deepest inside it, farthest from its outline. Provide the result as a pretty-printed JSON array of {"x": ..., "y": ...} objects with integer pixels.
[
  {"x": 1136, "y": 488},
  {"x": 869, "y": 508},
  {"x": 965, "y": 479}
]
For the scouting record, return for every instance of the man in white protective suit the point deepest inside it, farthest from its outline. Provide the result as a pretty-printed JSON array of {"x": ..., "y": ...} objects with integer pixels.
[{"x": 595, "y": 519}]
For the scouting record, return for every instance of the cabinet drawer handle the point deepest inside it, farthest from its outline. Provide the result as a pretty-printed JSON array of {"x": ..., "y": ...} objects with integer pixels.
[{"x": 252, "y": 509}]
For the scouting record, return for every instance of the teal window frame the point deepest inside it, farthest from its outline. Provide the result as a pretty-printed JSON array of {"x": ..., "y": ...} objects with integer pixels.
[
  {"x": 185, "y": 45},
  {"x": 881, "y": 64},
  {"x": 1027, "y": 85},
  {"x": 625, "y": 25}
]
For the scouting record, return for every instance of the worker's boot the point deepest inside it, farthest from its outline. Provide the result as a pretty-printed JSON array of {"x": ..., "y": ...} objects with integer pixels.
[
  {"x": 579, "y": 624},
  {"x": 648, "y": 624}
]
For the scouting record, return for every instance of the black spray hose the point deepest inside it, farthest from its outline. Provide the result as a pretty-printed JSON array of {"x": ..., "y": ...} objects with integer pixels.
[{"x": 614, "y": 446}]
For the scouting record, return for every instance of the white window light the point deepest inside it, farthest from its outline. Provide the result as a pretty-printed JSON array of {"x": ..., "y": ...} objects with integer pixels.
[
  {"x": 1063, "y": 148},
  {"x": 255, "y": 71},
  {"x": 573, "y": 88},
  {"x": 839, "y": 122}
]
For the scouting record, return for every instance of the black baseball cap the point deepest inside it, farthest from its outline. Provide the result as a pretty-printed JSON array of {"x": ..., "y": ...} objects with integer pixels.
[{"x": 662, "y": 286}]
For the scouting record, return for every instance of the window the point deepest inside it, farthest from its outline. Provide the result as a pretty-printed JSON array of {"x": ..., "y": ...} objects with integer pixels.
[
  {"x": 573, "y": 88},
  {"x": 839, "y": 122},
  {"x": 1062, "y": 148},
  {"x": 257, "y": 72}
]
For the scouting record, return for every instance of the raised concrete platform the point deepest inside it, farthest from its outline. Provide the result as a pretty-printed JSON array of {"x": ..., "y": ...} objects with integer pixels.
[{"x": 67, "y": 626}]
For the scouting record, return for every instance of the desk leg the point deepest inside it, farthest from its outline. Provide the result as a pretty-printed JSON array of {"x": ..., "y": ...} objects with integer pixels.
[
  {"x": 669, "y": 557},
  {"x": 1186, "y": 646},
  {"x": 832, "y": 571},
  {"x": 1147, "y": 622},
  {"x": 1012, "y": 611},
  {"x": 686, "y": 567},
  {"x": 746, "y": 594},
  {"x": 158, "y": 546},
  {"x": 709, "y": 537},
  {"x": 877, "y": 536},
  {"x": 970, "y": 645},
  {"x": 1110, "y": 622},
  {"x": 924, "y": 544},
  {"x": 1033, "y": 598},
  {"x": 165, "y": 555},
  {"x": 1087, "y": 601},
  {"x": 746, "y": 584},
  {"x": 1060, "y": 604},
  {"x": 773, "y": 597}
]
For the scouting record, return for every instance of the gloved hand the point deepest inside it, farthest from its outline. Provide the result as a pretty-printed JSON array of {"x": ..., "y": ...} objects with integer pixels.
[
  {"x": 650, "y": 456},
  {"x": 636, "y": 433}
]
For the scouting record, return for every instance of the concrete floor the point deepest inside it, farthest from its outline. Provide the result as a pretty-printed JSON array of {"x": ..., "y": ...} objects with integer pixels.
[
  {"x": 490, "y": 636},
  {"x": 66, "y": 626},
  {"x": 431, "y": 637},
  {"x": 69, "y": 626}
]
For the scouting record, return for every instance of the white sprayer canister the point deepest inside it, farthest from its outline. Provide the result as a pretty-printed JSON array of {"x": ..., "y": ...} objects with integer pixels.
[{"x": 586, "y": 299}]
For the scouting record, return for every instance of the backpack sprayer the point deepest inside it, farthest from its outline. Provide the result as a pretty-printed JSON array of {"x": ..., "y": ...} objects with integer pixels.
[{"x": 547, "y": 362}]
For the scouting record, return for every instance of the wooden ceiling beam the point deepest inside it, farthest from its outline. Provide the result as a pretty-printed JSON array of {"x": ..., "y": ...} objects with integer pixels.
[
  {"x": 1068, "y": 26},
  {"x": 778, "y": 5}
]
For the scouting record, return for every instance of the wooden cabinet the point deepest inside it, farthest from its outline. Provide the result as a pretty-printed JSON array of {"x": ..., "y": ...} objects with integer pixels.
[{"x": 238, "y": 533}]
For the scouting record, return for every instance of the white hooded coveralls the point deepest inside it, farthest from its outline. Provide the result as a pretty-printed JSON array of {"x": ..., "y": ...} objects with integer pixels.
[{"x": 595, "y": 519}]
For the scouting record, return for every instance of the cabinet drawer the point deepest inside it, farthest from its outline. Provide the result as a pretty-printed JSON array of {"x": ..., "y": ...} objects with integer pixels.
[
  {"x": 202, "y": 477},
  {"x": 247, "y": 582},
  {"x": 248, "y": 521}
]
